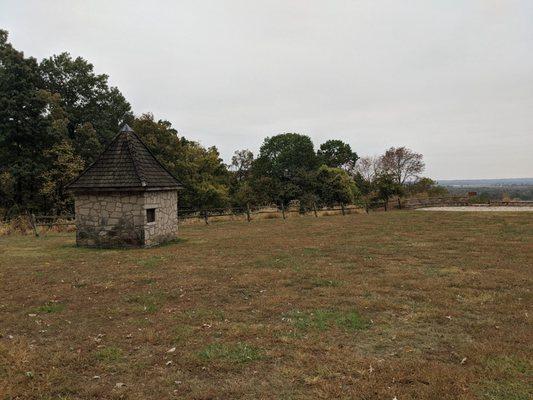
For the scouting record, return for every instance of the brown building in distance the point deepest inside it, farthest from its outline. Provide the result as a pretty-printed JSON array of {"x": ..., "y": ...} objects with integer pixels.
[{"x": 126, "y": 198}]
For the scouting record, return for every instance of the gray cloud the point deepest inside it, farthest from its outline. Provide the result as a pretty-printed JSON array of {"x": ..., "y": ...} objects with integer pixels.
[{"x": 451, "y": 79}]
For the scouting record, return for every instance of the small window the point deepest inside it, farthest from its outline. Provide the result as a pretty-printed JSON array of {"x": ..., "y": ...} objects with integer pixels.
[{"x": 150, "y": 215}]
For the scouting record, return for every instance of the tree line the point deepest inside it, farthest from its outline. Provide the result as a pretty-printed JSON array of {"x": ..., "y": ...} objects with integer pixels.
[{"x": 57, "y": 115}]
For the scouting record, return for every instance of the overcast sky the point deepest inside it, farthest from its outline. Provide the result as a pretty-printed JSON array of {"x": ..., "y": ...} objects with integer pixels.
[{"x": 450, "y": 79}]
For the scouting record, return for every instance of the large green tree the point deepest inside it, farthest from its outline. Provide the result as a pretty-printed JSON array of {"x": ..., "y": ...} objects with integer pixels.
[
  {"x": 288, "y": 161},
  {"x": 241, "y": 164},
  {"x": 23, "y": 133},
  {"x": 56, "y": 116},
  {"x": 335, "y": 186},
  {"x": 240, "y": 169},
  {"x": 94, "y": 109},
  {"x": 425, "y": 186},
  {"x": 202, "y": 173},
  {"x": 337, "y": 154},
  {"x": 385, "y": 187},
  {"x": 63, "y": 166}
]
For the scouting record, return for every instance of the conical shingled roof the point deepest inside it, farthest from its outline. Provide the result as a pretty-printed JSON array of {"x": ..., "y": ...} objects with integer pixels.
[{"x": 125, "y": 163}]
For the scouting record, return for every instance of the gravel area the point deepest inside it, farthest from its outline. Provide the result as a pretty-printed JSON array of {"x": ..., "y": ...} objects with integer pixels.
[{"x": 479, "y": 208}]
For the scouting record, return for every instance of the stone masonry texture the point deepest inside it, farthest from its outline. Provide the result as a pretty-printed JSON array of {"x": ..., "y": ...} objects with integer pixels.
[{"x": 118, "y": 219}]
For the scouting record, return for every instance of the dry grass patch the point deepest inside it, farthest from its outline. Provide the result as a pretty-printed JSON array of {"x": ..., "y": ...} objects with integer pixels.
[{"x": 413, "y": 305}]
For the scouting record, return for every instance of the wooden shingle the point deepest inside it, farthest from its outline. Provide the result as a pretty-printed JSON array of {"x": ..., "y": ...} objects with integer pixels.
[{"x": 126, "y": 163}]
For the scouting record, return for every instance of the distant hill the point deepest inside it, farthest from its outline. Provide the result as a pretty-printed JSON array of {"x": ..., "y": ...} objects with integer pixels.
[{"x": 486, "y": 182}]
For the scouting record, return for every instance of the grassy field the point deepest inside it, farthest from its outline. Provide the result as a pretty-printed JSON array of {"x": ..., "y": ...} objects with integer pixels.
[{"x": 412, "y": 305}]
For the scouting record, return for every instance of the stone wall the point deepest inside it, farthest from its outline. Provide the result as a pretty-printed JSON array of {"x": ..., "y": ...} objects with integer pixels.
[
  {"x": 119, "y": 219},
  {"x": 165, "y": 226}
]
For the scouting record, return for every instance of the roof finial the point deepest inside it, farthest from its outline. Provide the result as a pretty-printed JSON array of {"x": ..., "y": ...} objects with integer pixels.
[{"x": 126, "y": 128}]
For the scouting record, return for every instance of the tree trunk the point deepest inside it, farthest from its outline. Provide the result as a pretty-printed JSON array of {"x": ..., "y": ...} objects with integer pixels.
[
  {"x": 33, "y": 224},
  {"x": 248, "y": 212}
]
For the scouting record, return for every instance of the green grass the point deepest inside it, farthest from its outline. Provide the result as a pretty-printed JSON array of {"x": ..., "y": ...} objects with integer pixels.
[
  {"x": 234, "y": 353},
  {"x": 49, "y": 308},
  {"x": 321, "y": 320},
  {"x": 311, "y": 251},
  {"x": 515, "y": 382},
  {"x": 202, "y": 315},
  {"x": 510, "y": 365},
  {"x": 506, "y": 390},
  {"x": 148, "y": 303},
  {"x": 320, "y": 282},
  {"x": 182, "y": 333},
  {"x": 150, "y": 262},
  {"x": 277, "y": 261},
  {"x": 109, "y": 354}
]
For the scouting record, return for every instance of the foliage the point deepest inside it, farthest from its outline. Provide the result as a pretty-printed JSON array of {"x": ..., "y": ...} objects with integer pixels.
[
  {"x": 64, "y": 166},
  {"x": 402, "y": 164},
  {"x": 288, "y": 161},
  {"x": 56, "y": 116},
  {"x": 241, "y": 164},
  {"x": 201, "y": 172},
  {"x": 514, "y": 192},
  {"x": 386, "y": 186},
  {"x": 337, "y": 154},
  {"x": 335, "y": 186},
  {"x": 282, "y": 156},
  {"x": 85, "y": 96},
  {"x": 426, "y": 186},
  {"x": 368, "y": 168},
  {"x": 244, "y": 195},
  {"x": 23, "y": 134},
  {"x": 241, "y": 191}
]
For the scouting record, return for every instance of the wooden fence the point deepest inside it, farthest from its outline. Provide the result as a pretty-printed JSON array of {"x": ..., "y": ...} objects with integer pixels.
[
  {"x": 50, "y": 221},
  {"x": 252, "y": 212},
  {"x": 184, "y": 214},
  {"x": 283, "y": 212}
]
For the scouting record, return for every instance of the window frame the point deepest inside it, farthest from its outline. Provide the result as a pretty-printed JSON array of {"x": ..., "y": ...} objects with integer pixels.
[{"x": 151, "y": 212}]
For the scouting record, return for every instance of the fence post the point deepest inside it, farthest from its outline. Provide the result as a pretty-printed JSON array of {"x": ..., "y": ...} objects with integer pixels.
[
  {"x": 342, "y": 208},
  {"x": 283, "y": 210},
  {"x": 248, "y": 212},
  {"x": 386, "y": 204},
  {"x": 34, "y": 224},
  {"x": 314, "y": 209},
  {"x": 399, "y": 203},
  {"x": 205, "y": 217}
]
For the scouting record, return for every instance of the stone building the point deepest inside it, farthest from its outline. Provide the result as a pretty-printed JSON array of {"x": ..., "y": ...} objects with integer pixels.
[{"x": 126, "y": 198}]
